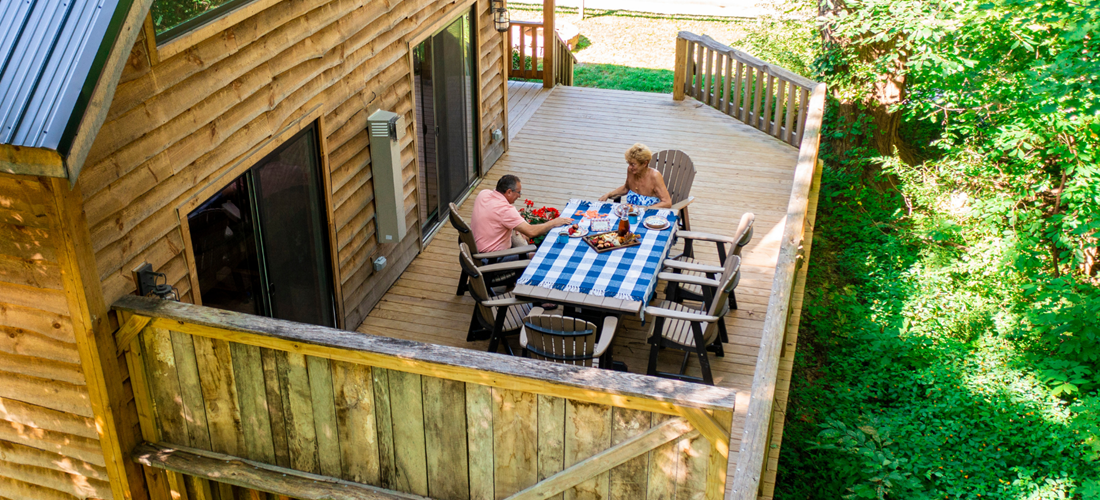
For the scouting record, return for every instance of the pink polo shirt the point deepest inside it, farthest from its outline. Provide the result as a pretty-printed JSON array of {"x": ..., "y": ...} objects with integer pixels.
[{"x": 493, "y": 221}]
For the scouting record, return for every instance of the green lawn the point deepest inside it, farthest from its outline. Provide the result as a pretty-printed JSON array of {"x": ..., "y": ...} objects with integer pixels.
[{"x": 611, "y": 76}]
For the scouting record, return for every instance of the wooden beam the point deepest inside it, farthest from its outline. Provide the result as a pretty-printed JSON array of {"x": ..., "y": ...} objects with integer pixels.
[
  {"x": 129, "y": 331},
  {"x": 100, "y": 102},
  {"x": 608, "y": 459},
  {"x": 718, "y": 436},
  {"x": 94, "y": 340},
  {"x": 549, "y": 44},
  {"x": 246, "y": 473},
  {"x": 680, "y": 69},
  {"x": 756, "y": 438},
  {"x": 21, "y": 160},
  {"x": 627, "y": 390}
]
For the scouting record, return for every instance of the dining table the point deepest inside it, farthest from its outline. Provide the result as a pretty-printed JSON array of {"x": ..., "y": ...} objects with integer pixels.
[{"x": 620, "y": 281}]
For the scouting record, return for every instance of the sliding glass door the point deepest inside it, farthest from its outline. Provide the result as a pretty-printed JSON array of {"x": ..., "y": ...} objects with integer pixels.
[
  {"x": 261, "y": 243},
  {"x": 443, "y": 72}
]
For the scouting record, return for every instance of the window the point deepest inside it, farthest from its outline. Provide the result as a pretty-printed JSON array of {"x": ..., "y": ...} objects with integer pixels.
[
  {"x": 172, "y": 18},
  {"x": 261, "y": 243}
]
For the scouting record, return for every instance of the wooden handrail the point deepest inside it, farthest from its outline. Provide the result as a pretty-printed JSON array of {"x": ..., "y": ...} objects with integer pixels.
[
  {"x": 757, "y": 431},
  {"x": 765, "y": 96},
  {"x": 563, "y": 72},
  {"x": 627, "y": 390},
  {"x": 524, "y": 39}
]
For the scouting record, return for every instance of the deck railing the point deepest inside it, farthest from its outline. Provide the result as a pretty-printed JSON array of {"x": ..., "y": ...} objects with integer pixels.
[
  {"x": 762, "y": 95},
  {"x": 228, "y": 400},
  {"x": 528, "y": 53}
]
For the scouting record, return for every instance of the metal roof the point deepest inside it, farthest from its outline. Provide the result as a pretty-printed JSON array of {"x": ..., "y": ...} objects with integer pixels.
[{"x": 51, "y": 54}]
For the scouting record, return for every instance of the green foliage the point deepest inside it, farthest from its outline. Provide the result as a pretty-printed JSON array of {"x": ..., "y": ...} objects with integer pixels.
[
  {"x": 613, "y": 76},
  {"x": 950, "y": 345},
  {"x": 168, "y": 14}
]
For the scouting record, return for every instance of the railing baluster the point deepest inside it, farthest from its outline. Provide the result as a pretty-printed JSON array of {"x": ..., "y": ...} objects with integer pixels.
[
  {"x": 738, "y": 93},
  {"x": 777, "y": 126},
  {"x": 802, "y": 114},
  {"x": 729, "y": 69},
  {"x": 716, "y": 100},
  {"x": 765, "y": 112},
  {"x": 708, "y": 82},
  {"x": 758, "y": 97},
  {"x": 787, "y": 133},
  {"x": 698, "y": 76}
]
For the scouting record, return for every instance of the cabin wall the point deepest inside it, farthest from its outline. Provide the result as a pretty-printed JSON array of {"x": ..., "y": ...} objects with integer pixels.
[
  {"x": 180, "y": 125},
  {"x": 49, "y": 445}
]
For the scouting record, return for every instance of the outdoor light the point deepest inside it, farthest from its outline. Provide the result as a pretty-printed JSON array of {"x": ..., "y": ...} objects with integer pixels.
[
  {"x": 500, "y": 16},
  {"x": 153, "y": 284}
]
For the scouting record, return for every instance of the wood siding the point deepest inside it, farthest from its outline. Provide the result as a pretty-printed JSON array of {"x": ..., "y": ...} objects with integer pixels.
[
  {"x": 49, "y": 446},
  {"x": 180, "y": 126}
]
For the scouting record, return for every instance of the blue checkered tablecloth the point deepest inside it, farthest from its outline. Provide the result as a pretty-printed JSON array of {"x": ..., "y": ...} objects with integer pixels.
[{"x": 573, "y": 266}]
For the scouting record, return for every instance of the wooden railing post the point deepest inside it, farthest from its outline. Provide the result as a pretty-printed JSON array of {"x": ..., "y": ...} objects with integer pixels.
[
  {"x": 680, "y": 75},
  {"x": 549, "y": 36}
]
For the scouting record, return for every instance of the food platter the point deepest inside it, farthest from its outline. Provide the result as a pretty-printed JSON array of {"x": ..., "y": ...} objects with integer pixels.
[
  {"x": 656, "y": 222},
  {"x": 606, "y": 242}
]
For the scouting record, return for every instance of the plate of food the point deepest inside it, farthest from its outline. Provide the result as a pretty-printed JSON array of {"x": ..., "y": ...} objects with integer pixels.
[
  {"x": 628, "y": 209},
  {"x": 576, "y": 231},
  {"x": 655, "y": 222},
  {"x": 605, "y": 242}
]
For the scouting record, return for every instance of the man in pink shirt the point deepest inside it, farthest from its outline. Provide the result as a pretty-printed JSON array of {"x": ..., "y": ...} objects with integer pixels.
[{"x": 495, "y": 218}]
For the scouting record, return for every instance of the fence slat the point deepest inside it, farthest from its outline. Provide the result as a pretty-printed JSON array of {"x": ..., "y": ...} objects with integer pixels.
[
  {"x": 802, "y": 114},
  {"x": 766, "y": 111},
  {"x": 738, "y": 95},
  {"x": 777, "y": 125},
  {"x": 716, "y": 100},
  {"x": 708, "y": 82},
  {"x": 726, "y": 103},
  {"x": 758, "y": 97},
  {"x": 698, "y": 70},
  {"x": 789, "y": 122}
]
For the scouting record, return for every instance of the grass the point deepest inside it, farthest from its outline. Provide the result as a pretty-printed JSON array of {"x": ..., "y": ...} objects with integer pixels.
[{"x": 613, "y": 76}]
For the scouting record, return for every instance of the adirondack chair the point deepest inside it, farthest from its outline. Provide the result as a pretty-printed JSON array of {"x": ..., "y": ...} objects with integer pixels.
[
  {"x": 680, "y": 326},
  {"x": 494, "y": 279},
  {"x": 679, "y": 174},
  {"x": 678, "y": 292},
  {"x": 500, "y": 315},
  {"x": 562, "y": 339}
]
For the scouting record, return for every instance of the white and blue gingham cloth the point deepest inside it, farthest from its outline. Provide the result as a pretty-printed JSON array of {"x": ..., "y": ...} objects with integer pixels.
[{"x": 573, "y": 266}]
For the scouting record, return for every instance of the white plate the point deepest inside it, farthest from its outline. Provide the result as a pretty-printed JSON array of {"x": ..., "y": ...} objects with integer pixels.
[
  {"x": 580, "y": 233},
  {"x": 655, "y": 222},
  {"x": 620, "y": 209}
]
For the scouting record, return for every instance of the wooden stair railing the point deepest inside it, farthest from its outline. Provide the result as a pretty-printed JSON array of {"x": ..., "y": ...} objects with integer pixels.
[{"x": 765, "y": 96}]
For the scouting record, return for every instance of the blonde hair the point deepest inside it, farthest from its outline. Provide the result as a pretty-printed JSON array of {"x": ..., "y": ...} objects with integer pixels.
[{"x": 640, "y": 154}]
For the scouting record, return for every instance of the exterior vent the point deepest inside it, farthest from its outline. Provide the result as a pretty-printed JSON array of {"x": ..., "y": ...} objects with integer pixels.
[{"x": 386, "y": 130}]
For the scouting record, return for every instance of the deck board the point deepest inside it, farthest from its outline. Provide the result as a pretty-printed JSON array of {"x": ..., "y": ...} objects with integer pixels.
[{"x": 569, "y": 142}]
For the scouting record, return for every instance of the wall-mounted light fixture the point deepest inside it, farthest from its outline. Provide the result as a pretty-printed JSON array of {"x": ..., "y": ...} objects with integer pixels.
[
  {"x": 500, "y": 16},
  {"x": 148, "y": 286}
]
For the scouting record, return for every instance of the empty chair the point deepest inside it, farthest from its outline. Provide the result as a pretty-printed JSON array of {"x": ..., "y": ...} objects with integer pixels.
[
  {"x": 691, "y": 329},
  {"x": 563, "y": 339},
  {"x": 500, "y": 315},
  {"x": 467, "y": 237},
  {"x": 679, "y": 174},
  {"x": 688, "y": 265}
]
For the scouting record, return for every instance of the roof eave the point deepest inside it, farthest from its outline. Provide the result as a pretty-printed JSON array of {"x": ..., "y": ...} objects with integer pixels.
[{"x": 22, "y": 160}]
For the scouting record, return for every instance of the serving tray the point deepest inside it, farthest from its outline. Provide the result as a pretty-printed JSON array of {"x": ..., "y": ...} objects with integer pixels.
[{"x": 588, "y": 239}]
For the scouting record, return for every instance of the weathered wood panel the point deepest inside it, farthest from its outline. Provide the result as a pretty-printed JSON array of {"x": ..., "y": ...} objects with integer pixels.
[
  {"x": 176, "y": 127},
  {"x": 49, "y": 444},
  {"x": 412, "y": 431}
]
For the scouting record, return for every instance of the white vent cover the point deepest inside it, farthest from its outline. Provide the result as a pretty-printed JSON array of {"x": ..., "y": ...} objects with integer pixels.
[{"x": 386, "y": 130}]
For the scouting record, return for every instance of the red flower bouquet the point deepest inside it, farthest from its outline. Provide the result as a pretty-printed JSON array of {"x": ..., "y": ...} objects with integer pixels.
[{"x": 537, "y": 215}]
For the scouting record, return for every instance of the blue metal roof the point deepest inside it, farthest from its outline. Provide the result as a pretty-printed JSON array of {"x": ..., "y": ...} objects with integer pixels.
[{"x": 48, "y": 58}]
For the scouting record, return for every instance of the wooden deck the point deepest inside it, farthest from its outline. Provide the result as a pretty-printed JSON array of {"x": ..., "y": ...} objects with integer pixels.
[
  {"x": 571, "y": 145},
  {"x": 524, "y": 98}
]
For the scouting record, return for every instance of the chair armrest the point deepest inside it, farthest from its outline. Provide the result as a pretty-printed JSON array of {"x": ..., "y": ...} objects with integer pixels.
[
  {"x": 607, "y": 334},
  {"x": 515, "y": 265},
  {"x": 692, "y": 266},
  {"x": 696, "y": 235},
  {"x": 689, "y": 279},
  {"x": 510, "y": 301},
  {"x": 661, "y": 312},
  {"x": 506, "y": 252},
  {"x": 683, "y": 203}
]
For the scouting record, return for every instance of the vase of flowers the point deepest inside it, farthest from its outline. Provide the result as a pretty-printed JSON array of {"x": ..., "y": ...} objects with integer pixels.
[{"x": 537, "y": 216}]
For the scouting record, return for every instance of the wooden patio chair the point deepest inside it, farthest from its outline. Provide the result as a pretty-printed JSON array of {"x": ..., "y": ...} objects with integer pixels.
[
  {"x": 679, "y": 174},
  {"x": 567, "y": 340},
  {"x": 467, "y": 237},
  {"x": 690, "y": 329},
  {"x": 678, "y": 292},
  {"x": 500, "y": 315}
]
